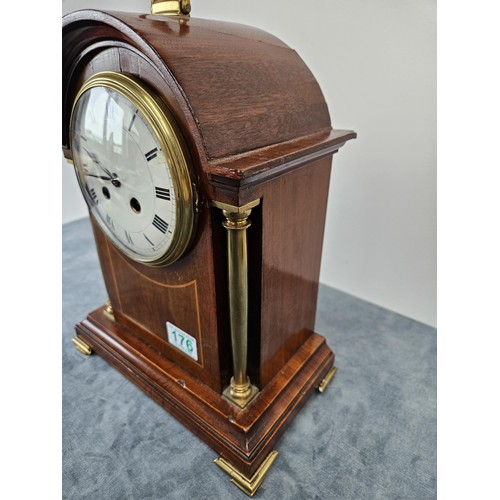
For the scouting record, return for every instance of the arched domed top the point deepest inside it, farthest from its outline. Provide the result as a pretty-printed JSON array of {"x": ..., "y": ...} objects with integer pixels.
[{"x": 245, "y": 89}]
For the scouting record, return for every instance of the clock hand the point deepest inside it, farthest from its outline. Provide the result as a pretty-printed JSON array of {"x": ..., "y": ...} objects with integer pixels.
[
  {"x": 114, "y": 178},
  {"x": 99, "y": 177},
  {"x": 94, "y": 158}
]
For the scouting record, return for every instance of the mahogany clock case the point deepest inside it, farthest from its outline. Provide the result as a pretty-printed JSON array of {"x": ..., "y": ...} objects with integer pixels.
[{"x": 256, "y": 127}]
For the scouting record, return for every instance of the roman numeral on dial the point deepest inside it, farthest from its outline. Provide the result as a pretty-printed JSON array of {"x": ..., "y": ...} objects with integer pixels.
[
  {"x": 163, "y": 193},
  {"x": 132, "y": 122},
  {"x": 109, "y": 220},
  {"x": 129, "y": 238},
  {"x": 149, "y": 241},
  {"x": 93, "y": 195},
  {"x": 160, "y": 224},
  {"x": 152, "y": 154}
]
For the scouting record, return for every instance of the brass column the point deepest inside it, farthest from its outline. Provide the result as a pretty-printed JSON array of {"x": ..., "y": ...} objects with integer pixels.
[{"x": 241, "y": 391}]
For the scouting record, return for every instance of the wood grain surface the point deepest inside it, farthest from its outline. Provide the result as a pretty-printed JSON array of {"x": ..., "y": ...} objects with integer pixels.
[
  {"x": 243, "y": 437},
  {"x": 232, "y": 76},
  {"x": 255, "y": 126}
]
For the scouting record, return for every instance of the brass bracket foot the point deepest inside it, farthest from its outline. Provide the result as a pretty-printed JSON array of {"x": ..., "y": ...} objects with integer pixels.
[
  {"x": 82, "y": 346},
  {"x": 108, "y": 311},
  {"x": 245, "y": 484},
  {"x": 326, "y": 381}
]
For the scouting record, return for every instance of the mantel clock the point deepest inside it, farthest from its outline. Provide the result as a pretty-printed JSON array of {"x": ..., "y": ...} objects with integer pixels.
[{"x": 203, "y": 150}]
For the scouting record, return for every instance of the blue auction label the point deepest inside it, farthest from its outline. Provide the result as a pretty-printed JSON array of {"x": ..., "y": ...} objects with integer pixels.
[{"x": 182, "y": 340}]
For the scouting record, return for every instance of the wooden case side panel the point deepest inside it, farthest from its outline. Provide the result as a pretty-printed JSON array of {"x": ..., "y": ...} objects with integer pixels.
[
  {"x": 293, "y": 220},
  {"x": 145, "y": 298}
]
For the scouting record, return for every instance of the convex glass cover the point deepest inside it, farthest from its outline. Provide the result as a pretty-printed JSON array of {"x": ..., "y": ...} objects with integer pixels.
[{"x": 132, "y": 168}]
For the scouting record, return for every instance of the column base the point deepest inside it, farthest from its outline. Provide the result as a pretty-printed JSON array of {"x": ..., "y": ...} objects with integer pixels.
[{"x": 240, "y": 402}]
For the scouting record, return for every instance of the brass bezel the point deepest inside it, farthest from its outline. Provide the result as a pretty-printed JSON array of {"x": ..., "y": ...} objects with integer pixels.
[{"x": 161, "y": 121}]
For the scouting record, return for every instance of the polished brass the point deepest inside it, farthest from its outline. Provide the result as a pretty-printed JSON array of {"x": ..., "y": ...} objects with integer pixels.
[
  {"x": 69, "y": 161},
  {"x": 108, "y": 311},
  {"x": 233, "y": 209},
  {"x": 82, "y": 346},
  {"x": 240, "y": 391},
  {"x": 328, "y": 378},
  {"x": 171, "y": 8},
  {"x": 245, "y": 484},
  {"x": 163, "y": 125},
  {"x": 240, "y": 395}
]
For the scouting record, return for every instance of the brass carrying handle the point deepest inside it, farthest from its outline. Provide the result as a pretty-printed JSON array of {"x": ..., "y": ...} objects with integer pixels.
[{"x": 171, "y": 7}]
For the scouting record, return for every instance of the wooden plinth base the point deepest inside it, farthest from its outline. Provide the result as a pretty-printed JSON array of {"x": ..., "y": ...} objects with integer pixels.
[{"x": 244, "y": 439}]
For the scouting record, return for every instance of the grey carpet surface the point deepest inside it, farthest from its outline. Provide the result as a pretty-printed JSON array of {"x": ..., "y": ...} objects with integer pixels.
[{"x": 371, "y": 435}]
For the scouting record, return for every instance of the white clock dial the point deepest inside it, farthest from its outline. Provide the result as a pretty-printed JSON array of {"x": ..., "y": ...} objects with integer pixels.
[{"x": 125, "y": 174}]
